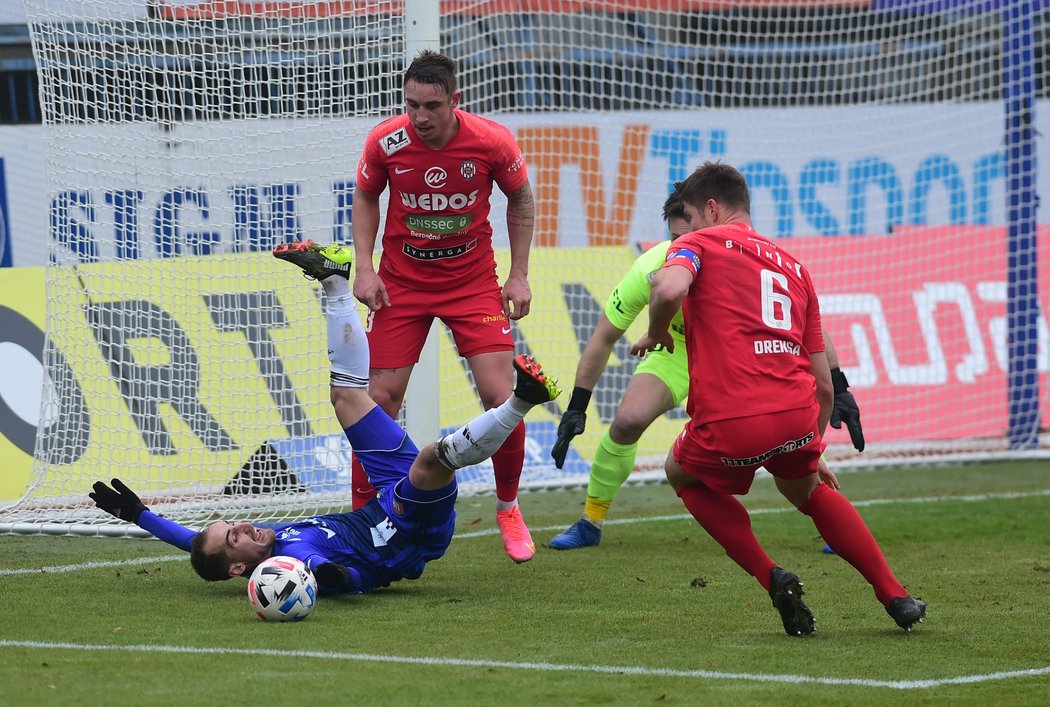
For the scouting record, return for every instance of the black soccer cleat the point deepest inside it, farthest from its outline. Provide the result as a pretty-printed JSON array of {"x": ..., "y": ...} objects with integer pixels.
[
  {"x": 785, "y": 589},
  {"x": 533, "y": 386},
  {"x": 317, "y": 261},
  {"x": 907, "y": 611}
]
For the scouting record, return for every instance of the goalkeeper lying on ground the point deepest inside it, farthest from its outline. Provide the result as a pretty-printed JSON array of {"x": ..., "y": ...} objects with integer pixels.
[{"x": 412, "y": 520}]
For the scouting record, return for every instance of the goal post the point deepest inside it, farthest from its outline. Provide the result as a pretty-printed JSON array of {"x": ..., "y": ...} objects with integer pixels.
[
  {"x": 889, "y": 145},
  {"x": 1019, "y": 79}
]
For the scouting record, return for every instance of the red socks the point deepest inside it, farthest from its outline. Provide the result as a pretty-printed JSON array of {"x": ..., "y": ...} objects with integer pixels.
[
  {"x": 361, "y": 491},
  {"x": 838, "y": 522},
  {"x": 727, "y": 521},
  {"x": 507, "y": 462},
  {"x": 845, "y": 531}
]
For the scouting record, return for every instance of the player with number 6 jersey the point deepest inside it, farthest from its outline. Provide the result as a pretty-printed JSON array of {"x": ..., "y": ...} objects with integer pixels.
[
  {"x": 760, "y": 392},
  {"x": 754, "y": 276}
]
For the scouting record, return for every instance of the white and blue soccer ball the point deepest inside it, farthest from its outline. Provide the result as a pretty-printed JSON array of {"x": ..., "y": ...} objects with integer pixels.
[{"x": 282, "y": 589}]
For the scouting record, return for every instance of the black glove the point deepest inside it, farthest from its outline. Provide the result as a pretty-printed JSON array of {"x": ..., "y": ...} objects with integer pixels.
[
  {"x": 333, "y": 576},
  {"x": 573, "y": 422},
  {"x": 846, "y": 410},
  {"x": 119, "y": 501}
]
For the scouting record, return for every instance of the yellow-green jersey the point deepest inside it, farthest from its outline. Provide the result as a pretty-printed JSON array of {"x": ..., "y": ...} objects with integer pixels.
[
  {"x": 632, "y": 294},
  {"x": 625, "y": 303}
]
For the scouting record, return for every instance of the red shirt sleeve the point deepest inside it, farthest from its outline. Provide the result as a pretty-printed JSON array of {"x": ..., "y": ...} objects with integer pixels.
[
  {"x": 372, "y": 174},
  {"x": 508, "y": 163},
  {"x": 813, "y": 339}
]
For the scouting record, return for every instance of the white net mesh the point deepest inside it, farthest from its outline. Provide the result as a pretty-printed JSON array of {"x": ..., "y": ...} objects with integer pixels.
[
  {"x": 181, "y": 355},
  {"x": 185, "y": 140},
  {"x": 871, "y": 135}
]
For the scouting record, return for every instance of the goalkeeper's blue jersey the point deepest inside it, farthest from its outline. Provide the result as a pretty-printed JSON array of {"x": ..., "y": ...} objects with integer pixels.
[
  {"x": 379, "y": 550},
  {"x": 390, "y": 538},
  {"x": 375, "y": 543}
]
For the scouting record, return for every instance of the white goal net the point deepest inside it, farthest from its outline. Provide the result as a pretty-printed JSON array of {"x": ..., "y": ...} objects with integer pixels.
[{"x": 889, "y": 145}]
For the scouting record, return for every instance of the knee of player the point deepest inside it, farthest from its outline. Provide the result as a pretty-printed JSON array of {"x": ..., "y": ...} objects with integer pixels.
[
  {"x": 676, "y": 476},
  {"x": 350, "y": 404},
  {"x": 340, "y": 396},
  {"x": 628, "y": 427},
  {"x": 388, "y": 401},
  {"x": 797, "y": 491},
  {"x": 428, "y": 471},
  {"x": 494, "y": 396}
]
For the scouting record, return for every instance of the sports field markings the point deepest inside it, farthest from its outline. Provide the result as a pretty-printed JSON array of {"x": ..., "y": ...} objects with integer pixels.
[
  {"x": 58, "y": 569},
  {"x": 788, "y": 509},
  {"x": 904, "y": 685},
  {"x": 630, "y": 670},
  {"x": 102, "y": 564}
]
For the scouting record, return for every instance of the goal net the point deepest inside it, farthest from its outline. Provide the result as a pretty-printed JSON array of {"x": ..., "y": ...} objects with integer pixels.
[{"x": 888, "y": 145}]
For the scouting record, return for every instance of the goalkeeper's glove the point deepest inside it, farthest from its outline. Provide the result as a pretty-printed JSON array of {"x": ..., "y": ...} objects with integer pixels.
[
  {"x": 335, "y": 578},
  {"x": 846, "y": 410},
  {"x": 119, "y": 501},
  {"x": 573, "y": 422},
  {"x": 333, "y": 575}
]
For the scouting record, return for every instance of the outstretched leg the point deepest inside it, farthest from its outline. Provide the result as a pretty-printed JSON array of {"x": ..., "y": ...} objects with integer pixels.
[
  {"x": 478, "y": 439},
  {"x": 347, "y": 344}
]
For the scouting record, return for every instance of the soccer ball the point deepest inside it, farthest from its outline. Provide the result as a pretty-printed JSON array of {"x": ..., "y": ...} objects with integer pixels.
[{"x": 282, "y": 589}]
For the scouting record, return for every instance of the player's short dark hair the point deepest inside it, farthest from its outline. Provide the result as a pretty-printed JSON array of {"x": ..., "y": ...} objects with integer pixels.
[
  {"x": 673, "y": 207},
  {"x": 719, "y": 181},
  {"x": 211, "y": 568},
  {"x": 430, "y": 67}
]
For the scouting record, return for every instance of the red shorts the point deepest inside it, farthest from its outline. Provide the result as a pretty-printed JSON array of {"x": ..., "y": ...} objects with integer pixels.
[
  {"x": 725, "y": 454},
  {"x": 474, "y": 314}
]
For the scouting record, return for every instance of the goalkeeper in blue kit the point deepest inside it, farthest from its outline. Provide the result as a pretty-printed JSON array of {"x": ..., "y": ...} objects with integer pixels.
[{"x": 412, "y": 519}]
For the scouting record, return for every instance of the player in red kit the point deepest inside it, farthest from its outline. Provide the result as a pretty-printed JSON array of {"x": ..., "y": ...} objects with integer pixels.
[
  {"x": 760, "y": 392},
  {"x": 440, "y": 164}
]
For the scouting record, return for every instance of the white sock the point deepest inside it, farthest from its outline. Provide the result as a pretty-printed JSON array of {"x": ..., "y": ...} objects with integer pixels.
[
  {"x": 335, "y": 286},
  {"x": 478, "y": 440},
  {"x": 347, "y": 343},
  {"x": 502, "y": 505}
]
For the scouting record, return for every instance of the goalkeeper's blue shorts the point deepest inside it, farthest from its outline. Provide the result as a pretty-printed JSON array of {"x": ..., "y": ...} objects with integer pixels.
[{"x": 387, "y": 453}]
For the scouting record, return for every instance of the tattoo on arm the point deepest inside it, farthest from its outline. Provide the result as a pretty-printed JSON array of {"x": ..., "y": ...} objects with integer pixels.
[{"x": 521, "y": 208}]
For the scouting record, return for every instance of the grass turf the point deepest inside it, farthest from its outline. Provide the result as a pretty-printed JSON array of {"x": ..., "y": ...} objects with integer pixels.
[{"x": 656, "y": 614}]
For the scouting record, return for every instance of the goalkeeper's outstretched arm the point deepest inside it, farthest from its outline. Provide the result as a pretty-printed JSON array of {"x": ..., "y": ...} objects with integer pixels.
[{"x": 121, "y": 502}]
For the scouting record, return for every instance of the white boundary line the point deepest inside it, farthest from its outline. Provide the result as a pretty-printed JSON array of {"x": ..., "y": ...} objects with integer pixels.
[
  {"x": 540, "y": 667},
  {"x": 548, "y": 667},
  {"x": 765, "y": 511}
]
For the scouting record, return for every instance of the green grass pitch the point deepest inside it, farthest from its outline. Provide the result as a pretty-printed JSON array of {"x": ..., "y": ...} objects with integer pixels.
[{"x": 656, "y": 615}]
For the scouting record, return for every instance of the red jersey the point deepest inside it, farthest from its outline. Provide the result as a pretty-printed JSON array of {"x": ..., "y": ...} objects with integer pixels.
[
  {"x": 437, "y": 233},
  {"x": 751, "y": 322}
]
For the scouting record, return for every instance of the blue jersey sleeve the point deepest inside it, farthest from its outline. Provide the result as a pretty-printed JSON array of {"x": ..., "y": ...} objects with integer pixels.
[{"x": 167, "y": 530}]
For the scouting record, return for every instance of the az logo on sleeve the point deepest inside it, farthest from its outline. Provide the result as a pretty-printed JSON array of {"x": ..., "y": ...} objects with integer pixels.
[{"x": 394, "y": 141}]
